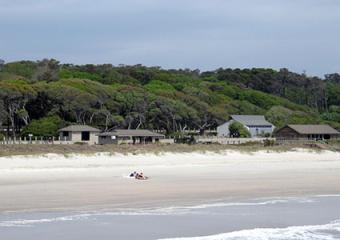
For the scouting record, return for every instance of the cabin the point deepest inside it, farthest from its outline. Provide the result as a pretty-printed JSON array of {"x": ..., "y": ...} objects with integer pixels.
[
  {"x": 257, "y": 125},
  {"x": 79, "y": 133},
  {"x": 133, "y": 136},
  {"x": 307, "y": 132}
]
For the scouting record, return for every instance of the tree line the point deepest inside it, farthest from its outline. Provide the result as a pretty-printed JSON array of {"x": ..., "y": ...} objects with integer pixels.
[{"x": 40, "y": 96}]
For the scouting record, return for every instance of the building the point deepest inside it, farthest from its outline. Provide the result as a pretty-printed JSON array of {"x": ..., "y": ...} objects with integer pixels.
[
  {"x": 257, "y": 125},
  {"x": 310, "y": 132},
  {"x": 134, "y": 136},
  {"x": 79, "y": 133}
]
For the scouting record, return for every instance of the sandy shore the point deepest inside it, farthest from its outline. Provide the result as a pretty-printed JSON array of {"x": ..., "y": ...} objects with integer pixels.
[{"x": 92, "y": 182}]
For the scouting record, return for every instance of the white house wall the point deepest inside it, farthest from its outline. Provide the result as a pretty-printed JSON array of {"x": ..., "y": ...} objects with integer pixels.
[
  {"x": 258, "y": 131},
  {"x": 223, "y": 130},
  {"x": 76, "y": 137}
]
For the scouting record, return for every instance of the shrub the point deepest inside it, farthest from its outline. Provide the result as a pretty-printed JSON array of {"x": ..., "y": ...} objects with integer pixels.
[
  {"x": 268, "y": 142},
  {"x": 44, "y": 127},
  {"x": 236, "y": 129},
  {"x": 267, "y": 135}
]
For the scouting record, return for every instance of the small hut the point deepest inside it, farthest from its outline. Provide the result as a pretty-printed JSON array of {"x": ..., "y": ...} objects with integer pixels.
[
  {"x": 307, "y": 132},
  {"x": 79, "y": 133},
  {"x": 134, "y": 136}
]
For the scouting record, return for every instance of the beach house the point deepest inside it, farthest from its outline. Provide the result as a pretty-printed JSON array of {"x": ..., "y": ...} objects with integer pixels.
[
  {"x": 257, "y": 125},
  {"x": 309, "y": 132},
  {"x": 79, "y": 133},
  {"x": 134, "y": 136}
]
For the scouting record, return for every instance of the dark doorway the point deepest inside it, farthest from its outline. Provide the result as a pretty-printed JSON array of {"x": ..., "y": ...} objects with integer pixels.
[
  {"x": 85, "y": 136},
  {"x": 148, "y": 140}
]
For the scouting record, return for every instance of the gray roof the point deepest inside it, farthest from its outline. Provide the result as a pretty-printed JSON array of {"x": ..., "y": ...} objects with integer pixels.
[
  {"x": 131, "y": 133},
  {"x": 253, "y": 120},
  {"x": 313, "y": 129},
  {"x": 79, "y": 128}
]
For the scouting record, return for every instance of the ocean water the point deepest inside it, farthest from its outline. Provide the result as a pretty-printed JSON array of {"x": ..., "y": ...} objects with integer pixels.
[{"x": 312, "y": 218}]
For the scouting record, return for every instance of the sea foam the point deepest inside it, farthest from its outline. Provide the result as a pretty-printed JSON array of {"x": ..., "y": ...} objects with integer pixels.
[{"x": 329, "y": 231}]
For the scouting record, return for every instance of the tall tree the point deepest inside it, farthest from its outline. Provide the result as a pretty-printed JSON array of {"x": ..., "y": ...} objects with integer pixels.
[
  {"x": 2, "y": 64},
  {"x": 47, "y": 70},
  {"x": 14, "y": 103}
]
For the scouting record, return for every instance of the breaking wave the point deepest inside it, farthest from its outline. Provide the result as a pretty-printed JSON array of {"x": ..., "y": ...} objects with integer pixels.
[{"x": 329, "y": 231}]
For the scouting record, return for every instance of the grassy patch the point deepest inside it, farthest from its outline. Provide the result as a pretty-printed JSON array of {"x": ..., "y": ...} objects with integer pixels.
[{"x": 37, "y": 149}]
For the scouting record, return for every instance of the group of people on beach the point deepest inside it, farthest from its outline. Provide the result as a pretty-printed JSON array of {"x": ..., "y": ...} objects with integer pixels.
[{"x": 138, "y": 176}]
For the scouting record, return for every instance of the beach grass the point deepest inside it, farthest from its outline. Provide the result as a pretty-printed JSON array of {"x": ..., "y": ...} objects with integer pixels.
[{"x": 38, "y": 149}]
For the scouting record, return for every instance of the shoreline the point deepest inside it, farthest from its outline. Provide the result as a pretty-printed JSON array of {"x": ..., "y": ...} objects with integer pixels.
[
  {"x": 139, "y": 209},
  {"x": 99, "y": 181},
  {"x": 307, "y": 217}
]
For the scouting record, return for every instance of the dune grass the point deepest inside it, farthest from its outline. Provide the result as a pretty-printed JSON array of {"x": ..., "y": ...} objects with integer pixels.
[{"x": 38, "y": 149}]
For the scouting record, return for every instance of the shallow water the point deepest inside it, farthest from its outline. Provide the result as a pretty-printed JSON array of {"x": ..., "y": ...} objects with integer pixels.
[{"x": 315, "y": 217}]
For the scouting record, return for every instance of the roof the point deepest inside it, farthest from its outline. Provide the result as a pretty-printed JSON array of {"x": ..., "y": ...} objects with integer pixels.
[
  {"x": 131, "y": 133},
  {"x": 253, "y": 120},
  {"x": 313, "y": 129},
  {"x": 79, "y": 128}
]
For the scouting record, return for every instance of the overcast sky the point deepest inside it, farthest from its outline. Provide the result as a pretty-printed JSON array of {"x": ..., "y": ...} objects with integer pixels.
[{"x": 205, "y": 34}]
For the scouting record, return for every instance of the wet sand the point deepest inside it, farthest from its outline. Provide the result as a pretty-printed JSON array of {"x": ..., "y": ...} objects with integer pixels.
[{"x": 97, "y": 182}]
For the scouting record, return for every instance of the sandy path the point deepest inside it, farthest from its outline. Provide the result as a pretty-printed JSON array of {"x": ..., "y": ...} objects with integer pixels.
[{"x": 99, "y": 181}]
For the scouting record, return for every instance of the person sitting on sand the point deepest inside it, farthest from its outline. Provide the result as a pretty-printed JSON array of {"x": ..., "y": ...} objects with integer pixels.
[{"x": 140, "y": 176}]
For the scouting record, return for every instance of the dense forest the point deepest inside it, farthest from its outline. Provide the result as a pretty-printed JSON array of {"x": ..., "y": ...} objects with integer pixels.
[{"x": 41, "y": 96}]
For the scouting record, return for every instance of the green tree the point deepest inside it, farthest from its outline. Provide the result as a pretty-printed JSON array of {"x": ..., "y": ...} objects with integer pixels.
[
  {"x": 279, "y": 116},
  {"x": 43, "y": 127},
  {"x": 2, "y": 64},
  {"x": 14, "y": 98},
  {"x": 236, "y": 129},
  {"x": 47, "y": 70},
  {"x": 151, "y": 97}
]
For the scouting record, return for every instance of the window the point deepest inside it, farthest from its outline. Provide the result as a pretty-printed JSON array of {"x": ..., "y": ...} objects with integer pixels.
[
  {"x": 85, "y": 136},
  {"x": 66, "y": 134}
]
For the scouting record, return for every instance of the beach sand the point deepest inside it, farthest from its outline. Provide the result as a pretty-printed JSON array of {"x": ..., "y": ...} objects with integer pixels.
[{"x": 100, "y": 181}]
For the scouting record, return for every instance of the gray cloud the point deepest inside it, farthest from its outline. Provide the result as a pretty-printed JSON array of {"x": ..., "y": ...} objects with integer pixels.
[{"x": 300, "y": 35}]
